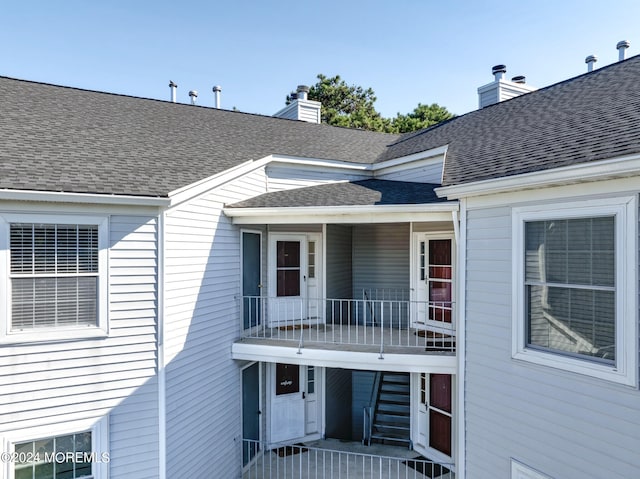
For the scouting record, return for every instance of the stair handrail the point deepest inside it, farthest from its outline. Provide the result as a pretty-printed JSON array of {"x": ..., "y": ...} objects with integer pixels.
[{"x": 367, "y": 429}]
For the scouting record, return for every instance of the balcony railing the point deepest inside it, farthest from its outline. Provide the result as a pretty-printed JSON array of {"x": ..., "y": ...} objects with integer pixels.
[
  {"x": 384, "y": 323},
  {"x": 301, "y": 461}
]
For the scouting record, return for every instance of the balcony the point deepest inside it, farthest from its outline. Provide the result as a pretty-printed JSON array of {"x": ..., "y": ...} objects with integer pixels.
[
  {"x": 398, "y": 326},
  {"x": 316, "y": 461}
]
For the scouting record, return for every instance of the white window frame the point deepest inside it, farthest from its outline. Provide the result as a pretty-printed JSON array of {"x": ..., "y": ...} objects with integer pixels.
[
  {"x": 625, "y": 211},
  {"x": 101, "y": 329},
  {"x": 99, "y": 438}
]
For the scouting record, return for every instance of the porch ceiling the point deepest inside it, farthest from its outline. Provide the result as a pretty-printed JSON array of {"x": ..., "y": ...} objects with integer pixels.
[{"x": 339, "y": 356}]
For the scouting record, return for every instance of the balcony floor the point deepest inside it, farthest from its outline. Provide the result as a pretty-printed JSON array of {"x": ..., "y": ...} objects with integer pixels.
[
  {"x": 353, "y": 460},
  {"x": 351, "y": 346},
  {"x": 358, "y": 338}
]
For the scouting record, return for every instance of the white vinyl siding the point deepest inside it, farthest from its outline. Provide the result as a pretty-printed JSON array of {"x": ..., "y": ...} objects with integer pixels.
[
  {"x": 287, "y": 177},
  {"x": 202, "y": 320},
  {"x": 558, "y": 422},
  {"x": 430, "y": 172},
  {"x": 52, "y": 383}
]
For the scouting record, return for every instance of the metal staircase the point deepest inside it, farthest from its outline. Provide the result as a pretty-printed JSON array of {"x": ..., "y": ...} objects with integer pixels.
[{"x": 392, "y": 410}]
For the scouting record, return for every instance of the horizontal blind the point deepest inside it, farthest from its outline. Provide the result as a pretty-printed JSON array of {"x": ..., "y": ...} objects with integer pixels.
[
  {"x": 570, "y": 286},
  {"x": 54, "y": 275}
]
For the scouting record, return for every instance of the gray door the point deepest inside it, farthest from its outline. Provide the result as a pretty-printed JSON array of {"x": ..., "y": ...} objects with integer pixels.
[
  {"x": 250, "y": 412},
  {"x": 251, "y": 280}
]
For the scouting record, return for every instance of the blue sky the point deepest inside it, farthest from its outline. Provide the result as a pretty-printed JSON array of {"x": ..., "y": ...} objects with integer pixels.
[{"x": 408, "y": 51}]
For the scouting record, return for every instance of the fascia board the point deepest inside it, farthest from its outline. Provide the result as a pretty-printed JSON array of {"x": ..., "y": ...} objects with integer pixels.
[
  {"x": 343, "y": 214},
  {"x": 584, "y": 172},
  {"x": 91, "y": 198}
]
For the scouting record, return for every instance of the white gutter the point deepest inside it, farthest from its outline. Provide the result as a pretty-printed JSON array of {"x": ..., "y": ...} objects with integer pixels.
[
  {"x": 584, "y": 172},
  {"x": 63, "y": 197}
]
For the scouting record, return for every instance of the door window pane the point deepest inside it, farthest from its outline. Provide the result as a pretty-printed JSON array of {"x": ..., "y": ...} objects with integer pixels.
[{"x": 287, "y": 378}]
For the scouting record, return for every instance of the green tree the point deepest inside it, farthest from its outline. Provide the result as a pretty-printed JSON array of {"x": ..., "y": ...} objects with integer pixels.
[
  {"x": 352, "y": 106},
  {"x": 423, "y": 116}
]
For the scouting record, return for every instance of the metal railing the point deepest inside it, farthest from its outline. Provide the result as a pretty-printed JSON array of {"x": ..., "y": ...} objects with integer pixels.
[
  {"x": 300, "y": 461},
  {"x": 367, "y": 322},
  {"x": 369, "y": 409}
]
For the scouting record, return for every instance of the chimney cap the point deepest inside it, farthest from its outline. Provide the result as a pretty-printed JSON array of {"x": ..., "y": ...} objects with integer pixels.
[
  {"x": 591, "y": 58},
  {"x": 519, "y": 79},
  {"x": 217, "y": 88},
  {"x": 302, "y": 88},
  {"x": 623, "y": 44},
  {"x": 172, "y": 85},
  {"x": 193, "y": 92},
  {"x": 499, "y": 69}
]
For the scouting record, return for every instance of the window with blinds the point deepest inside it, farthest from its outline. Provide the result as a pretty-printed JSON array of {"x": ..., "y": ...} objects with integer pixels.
[
  {"x": 570, "y": 271},
  {"x": 54, "y": 275}
]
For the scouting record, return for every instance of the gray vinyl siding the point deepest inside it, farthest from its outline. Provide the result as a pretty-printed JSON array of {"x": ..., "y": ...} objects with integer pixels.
[
  {"x": 202, "y": 319},
  {"x": 286, "y": 177},
  {"x": 430, "y": 173},
  {"x": 381, "y": 257},
  {"x": 338, "y": 261},
  {"x": 338, "y": 404},
  {"x": 361, "y": 389},
  {"x": 560, "y": 423},
  {"x": 53, "y": 383}
]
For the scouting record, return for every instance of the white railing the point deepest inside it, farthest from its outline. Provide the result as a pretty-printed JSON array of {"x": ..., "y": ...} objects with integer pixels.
[
  {"x": 366, "y": 322},
  {"x": 300, "y": 461}
]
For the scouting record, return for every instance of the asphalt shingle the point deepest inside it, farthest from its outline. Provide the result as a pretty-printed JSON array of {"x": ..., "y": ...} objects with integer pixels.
[{"x": 356, "y": 193}]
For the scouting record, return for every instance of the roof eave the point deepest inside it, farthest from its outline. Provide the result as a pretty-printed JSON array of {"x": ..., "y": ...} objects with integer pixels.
[
  {"x": 91, "y": 198},
  {"x": 620, "y": 167}
]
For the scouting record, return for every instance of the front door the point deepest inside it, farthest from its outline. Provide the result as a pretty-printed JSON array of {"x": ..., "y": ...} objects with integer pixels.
[
  {"x": 288, "y": 278},
  {"x": 288, "y": 403},
  {"x": 250, "y": 412},
  {"x": 251, "y": 279},
  {"x": 435, "y": 417},
  {"x": 434, "y": 282}
]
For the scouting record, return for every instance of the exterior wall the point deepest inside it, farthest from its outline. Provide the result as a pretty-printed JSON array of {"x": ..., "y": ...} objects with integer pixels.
[
  {"x": 560, "y": 423},
  {"x": 202, "y": 282},
  {"x": 285, "y": 177},
  {"x": 338, "y": 399},
  {"x": 45, "y": 385},
  {"x": 381, "y": 257},
  {"x": 362, "y": 387},
  {"x": 427, "y": 173},
  {"x": 338, "y": 261}
]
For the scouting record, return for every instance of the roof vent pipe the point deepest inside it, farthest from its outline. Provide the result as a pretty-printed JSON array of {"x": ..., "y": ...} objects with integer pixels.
[
  {"x": 519, "y": 79},
  {"x": 193, "y": 94},
  {"x": 622, "y": 49},
  {"x": 216, "y": 92},
  {"x": 302, "y": 92},
  {"x": 590, "y": 61},
  {"x": 173, "y": 87},
  {"x": 499, "y": 71}
]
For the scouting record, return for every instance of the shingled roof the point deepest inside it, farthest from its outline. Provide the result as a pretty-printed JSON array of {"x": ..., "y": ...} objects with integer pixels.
[
  {"x": 591, "y": 117},
  {"x": 56, "y": 138},
  {"x": 356, "y": 193},
  {"x": 64, "y": 139}
]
